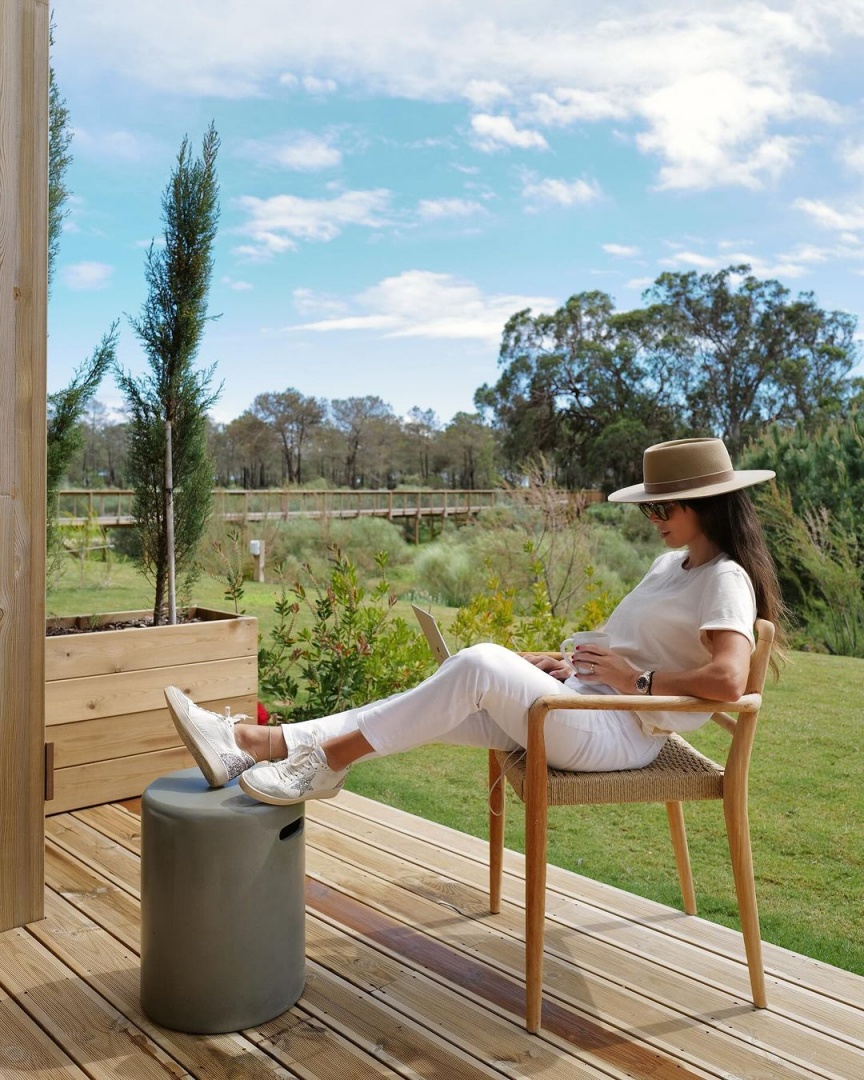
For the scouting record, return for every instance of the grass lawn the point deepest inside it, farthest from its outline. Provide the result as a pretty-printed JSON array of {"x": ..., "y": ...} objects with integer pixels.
[{"x": 807, "y": 807}]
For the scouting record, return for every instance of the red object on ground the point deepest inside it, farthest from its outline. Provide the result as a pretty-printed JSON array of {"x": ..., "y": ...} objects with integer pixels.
[{"x": 263, "y": 715}]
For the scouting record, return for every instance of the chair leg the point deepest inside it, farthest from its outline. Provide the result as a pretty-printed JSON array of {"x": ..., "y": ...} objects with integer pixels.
[
  {"x": 738, "y": 831},
  {"x": 678, "y": 830},
  {"x": 496, "y": 832},
  {"x": 536, "y": 813}
]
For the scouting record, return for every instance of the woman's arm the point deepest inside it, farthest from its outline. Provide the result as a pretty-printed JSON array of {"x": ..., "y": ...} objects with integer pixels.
[{"x": 723, "y": 678}]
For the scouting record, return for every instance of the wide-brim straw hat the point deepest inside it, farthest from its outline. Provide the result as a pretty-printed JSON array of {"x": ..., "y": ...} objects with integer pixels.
[{"x": 688, "y": 469}]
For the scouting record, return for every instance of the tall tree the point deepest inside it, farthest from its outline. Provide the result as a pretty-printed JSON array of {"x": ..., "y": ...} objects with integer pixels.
[
  {"x": 253, "y": 453},
  {"x": 568, "y": 376},
  {"x": 59, "y": 160},
  {"x": 469, "y": 445},
  {"x": 170, "y": 328},
  {"x": 66, "y": 406},
  {"x": 292, "y": 416},
  {"x": 358, "y": 419},
  {"x": 756, "y": 354},
  {"x": 420, "y": 429}
]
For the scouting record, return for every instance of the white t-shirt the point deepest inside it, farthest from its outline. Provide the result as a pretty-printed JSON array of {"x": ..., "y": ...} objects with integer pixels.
[{"x": 662, "y": 623}]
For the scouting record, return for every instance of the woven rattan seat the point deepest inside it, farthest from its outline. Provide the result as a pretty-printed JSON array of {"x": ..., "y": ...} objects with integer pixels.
[{"x": 679, "y": 774}]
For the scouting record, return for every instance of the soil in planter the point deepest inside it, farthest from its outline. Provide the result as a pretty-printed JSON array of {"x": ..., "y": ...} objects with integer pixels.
[{"x": 128, "y": 624}]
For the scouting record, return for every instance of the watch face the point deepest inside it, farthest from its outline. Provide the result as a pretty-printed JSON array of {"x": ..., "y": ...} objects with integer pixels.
[{"x": 642, "y": 684}]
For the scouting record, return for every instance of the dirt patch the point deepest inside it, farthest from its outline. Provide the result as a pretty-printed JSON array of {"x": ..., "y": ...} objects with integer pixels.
[{"x": 128, "y": 624}]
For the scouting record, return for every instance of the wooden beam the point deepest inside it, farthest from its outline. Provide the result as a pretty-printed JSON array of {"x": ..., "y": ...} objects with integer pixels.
[{"x": 23, "y": 337}]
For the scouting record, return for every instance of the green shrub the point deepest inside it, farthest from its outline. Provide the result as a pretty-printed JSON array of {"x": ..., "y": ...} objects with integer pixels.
[
  {"x": 495, "y": 614},
  {"x": 448, "y": 571},
  {"x": 354, "y": 651}
]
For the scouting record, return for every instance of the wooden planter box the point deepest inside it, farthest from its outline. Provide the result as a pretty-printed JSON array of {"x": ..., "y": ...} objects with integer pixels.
[{"x": 105, "y": 711}]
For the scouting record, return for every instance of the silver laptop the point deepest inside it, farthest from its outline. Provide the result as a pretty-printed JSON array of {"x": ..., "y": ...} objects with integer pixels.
[{"x": 432, "y": 634}]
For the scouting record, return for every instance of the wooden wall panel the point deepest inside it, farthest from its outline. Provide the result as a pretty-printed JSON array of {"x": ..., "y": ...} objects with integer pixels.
[{"x": 23, "y": 338}]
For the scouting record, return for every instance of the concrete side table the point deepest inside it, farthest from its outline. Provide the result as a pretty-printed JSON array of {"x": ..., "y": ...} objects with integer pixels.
[{"x": 222, "y": 906}]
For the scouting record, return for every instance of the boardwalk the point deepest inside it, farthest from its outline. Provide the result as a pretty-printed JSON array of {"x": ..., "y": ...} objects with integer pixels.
[
  {"x": 409, "y": 976},
  {"x": 112, "y": 508}
]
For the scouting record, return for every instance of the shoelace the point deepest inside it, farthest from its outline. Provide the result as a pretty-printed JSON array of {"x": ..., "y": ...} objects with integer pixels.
[
  {"x": 299, "y": 756},
  {"x": 510, "y": 762}
]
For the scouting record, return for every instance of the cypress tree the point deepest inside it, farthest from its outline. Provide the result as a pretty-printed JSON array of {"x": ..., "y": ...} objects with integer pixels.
[{"x": 170, "y": 328}]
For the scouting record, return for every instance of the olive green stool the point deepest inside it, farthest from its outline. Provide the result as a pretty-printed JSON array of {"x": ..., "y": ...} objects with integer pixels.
[{"x": 222, "y": 906}]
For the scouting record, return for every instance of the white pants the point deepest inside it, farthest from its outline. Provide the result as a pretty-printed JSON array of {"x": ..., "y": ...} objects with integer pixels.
[{"x": 480, "y": 697}]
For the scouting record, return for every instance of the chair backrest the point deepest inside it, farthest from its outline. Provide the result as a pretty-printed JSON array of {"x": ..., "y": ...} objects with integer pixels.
[
  {"x": 758, "y": 670},
  {"x": 761, "y": 656}
]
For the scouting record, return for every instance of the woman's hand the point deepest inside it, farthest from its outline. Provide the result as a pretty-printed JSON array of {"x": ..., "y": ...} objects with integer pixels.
[
  {"x": 722, "y": 678},
  {"x": 594, "y": 664},
  {"x": 558, "y": 669}
]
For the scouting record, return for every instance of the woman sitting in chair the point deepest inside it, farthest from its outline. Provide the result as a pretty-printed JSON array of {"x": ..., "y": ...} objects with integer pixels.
[{"x": 686, "y": 629}]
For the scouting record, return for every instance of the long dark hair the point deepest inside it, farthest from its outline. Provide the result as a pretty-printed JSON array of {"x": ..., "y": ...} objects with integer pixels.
[{"x": 730, "y": 522}]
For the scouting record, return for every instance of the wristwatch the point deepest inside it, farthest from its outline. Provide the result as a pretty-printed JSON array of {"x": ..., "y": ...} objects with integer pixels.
[{"x": 643, "y": 683}]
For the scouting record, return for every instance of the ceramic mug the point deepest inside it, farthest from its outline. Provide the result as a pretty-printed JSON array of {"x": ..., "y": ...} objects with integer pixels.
[{"x": 583, "y": 637}]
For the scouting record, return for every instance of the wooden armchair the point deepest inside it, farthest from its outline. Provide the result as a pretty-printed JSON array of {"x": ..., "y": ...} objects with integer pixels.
[{"x": 679, "y": 773}]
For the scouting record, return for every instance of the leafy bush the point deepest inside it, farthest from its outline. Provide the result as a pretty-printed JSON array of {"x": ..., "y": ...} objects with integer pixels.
[
  {"x": 819, "y": 563},
  {"x": 448, "y": 571},
  {"x": 354, "y": 651},
  {"x": 306, "y": 541},
  {"x": 495, "y": 614},
  {"x": 813, "y": 522}
]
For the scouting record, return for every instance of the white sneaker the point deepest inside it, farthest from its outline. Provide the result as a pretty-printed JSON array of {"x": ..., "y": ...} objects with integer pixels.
[
  {"x": 304, "y": 774},
  {"x": 209, "y": 738}
]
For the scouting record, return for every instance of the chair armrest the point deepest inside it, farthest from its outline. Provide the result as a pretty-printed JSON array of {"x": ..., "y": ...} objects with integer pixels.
[{"x": 648, "y": 703}]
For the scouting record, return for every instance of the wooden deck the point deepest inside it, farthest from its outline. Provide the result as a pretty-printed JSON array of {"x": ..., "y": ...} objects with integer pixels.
[{"x": 409, "y": 976}]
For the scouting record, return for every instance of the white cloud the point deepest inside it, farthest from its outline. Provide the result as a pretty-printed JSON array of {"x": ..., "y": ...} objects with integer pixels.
[
  {"x": 568, "y": 106},
  {"x": 125, "y": 146},
  {"x": 300, "y": 151},
  {"x": 419, "y": 303},
  {"x": 783, "y": 267},
  {"x": 87, "y": 276},
  {"x": 710, "y": 90},
  {"x": 311, "y": 302},
  {"x": 237, "y": 286},
  {"x": 310, "y": 83},
  {"x": 483, "y": 94},
  {"x": 623, "y": 250},
  {"x": 275, "y": 225},
  {"x": 640, "y": 283},
  {"x": 850, "y": 219},
  {"x": 435, "y": 209},
  {"x": 499, "y": 132},
  {"x": 560, "y": 192},
  {"x": 314, "y": 85},
  {"x": 852, "y": 156},
  {"x": 711, "y": 129}
]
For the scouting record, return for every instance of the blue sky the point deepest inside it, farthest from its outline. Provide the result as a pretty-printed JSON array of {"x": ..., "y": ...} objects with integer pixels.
[{"x": 398, "y": 178}]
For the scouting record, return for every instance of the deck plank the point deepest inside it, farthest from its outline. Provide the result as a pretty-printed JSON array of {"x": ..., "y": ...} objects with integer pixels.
[
  {"x": 27, "y": 1051},
  {"x": 596, "y": 1013},
  {"x": 806, "y": 1031},
  {"x": 409, "y": 976},
  {"x": 101, "y": 1039},
  {"x": 365, "y": 817},
  {"x": 111, "y": 971},
  {"x": 581, "y": 933},
  {"x": 103, "y": 898}
]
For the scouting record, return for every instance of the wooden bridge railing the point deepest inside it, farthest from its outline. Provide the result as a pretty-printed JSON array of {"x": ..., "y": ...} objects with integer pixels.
[{"x": 111, "y": 507}]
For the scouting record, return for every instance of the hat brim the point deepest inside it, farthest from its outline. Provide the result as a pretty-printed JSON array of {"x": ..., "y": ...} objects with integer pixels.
[{"x": 742, "y": 479}]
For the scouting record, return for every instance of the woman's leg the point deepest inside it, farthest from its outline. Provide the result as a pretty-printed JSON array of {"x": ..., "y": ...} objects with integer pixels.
[{"x": 480, "y": 697}]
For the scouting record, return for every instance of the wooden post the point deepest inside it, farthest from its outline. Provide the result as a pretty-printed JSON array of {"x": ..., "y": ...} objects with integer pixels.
[
  {"x": 169, "y": 525},
  {"x": 256, "y": 550},
  {"x": 23, "y": 340}
]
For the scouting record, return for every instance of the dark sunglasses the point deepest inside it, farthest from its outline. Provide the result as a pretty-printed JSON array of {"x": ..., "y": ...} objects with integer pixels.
[{"x": 658, "y": 510}]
